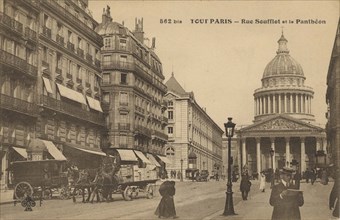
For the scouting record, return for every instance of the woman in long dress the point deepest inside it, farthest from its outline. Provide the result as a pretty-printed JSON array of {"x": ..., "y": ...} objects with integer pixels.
[
  {"x": 166, "y": 207},
  {"x": 262, "y": 182}
]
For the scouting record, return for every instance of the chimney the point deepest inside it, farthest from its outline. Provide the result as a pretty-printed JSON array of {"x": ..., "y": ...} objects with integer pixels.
[
  {"x": 139, "y": 33},
  {"x": 153, "y": 43},
  {"x": 106, "y": 17}
]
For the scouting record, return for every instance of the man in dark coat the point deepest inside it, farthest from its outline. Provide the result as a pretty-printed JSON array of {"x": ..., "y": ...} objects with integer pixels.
[
  {"x": 245, "y": 186},
  {"x": 334, "y": 196},
  {"x": 297, "y": 178},
  {"x": 166, "y": 207},
  {"x": 286, "y": 203}
]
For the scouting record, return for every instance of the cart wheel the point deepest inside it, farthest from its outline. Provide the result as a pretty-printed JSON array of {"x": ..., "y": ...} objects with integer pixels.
[
  {"x": 127, "y": 193},
  {"x": 23, "y": 189},
  {"x": 134, "y": 193},
  {"x": 47, "y": 194},
  {"x": 149, "y": 191}
]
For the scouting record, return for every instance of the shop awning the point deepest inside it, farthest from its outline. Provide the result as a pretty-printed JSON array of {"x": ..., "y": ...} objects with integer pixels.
[
  {"x": 47, "y": 84},
  {"x": 53, "y": 150},
  {"x": 21, "y": 151},
  {"x": 164, "y": 159},
  {"x": 153, "y": 160},
  {"x": 92, "y": 151},
  {"x": 142, "y": 157},
  {"x": 94, "y": 104},
  {"x": 71, "y": 94},
  {"x": 127, "y": 155}
]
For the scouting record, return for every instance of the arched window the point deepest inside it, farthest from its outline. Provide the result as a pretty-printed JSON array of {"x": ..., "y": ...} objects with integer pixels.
[{"x": 170, "y": 152}]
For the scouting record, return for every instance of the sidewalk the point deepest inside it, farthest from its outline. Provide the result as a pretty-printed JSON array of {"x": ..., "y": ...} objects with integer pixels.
[
  {"x": 257, "y": 206},
  {"x": 6, "y": 196}
]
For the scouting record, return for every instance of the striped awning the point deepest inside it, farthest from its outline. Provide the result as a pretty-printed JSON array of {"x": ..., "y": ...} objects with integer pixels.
[
  {"x": 94, "y": 104},
  {"x": 153, "y": 160},
  {"x": 142, "y": 157},
  {"x": 127, "y": 155},
  {"x": 71, "y": 94},
  {"x": 47, "y": 84},
  {"x": 21, "y": 151},
  {"x": 164, "y": 159}
]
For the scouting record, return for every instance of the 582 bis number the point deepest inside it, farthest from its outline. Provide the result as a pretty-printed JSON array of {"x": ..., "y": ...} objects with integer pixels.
[{"x": 165, "y": 21}]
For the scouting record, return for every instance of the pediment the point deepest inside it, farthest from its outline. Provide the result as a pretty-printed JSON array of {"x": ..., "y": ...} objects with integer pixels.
[{"x": 281, "y": 123}]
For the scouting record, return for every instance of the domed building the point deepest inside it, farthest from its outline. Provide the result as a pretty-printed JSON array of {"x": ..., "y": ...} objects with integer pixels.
[{"x": 283, "y": 120}]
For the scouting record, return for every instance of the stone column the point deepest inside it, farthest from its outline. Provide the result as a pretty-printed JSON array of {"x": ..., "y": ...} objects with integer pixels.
[
  {"x": 258, "y": 154},
  {"x": 285, "y": 103},
  {"x": 255, "y": 106},
  {"x": 270, "y": 104},
  {"x": 324, "y": 145},
  {"x": 280, "y": 110},
  {"x": 239, "y": 154},
  {"x": 287, "y": 150},
  {"x": 318, "y": 145},
  {"x": 301, "y": 106},
  {"x": 310, "y": 104},
  {"x": 290, "y": 103},
  {"x": 260, "y": 99},
  {"x": 265, "y": 104},
  {"x": 303, "y": 155},
  {"x": 272, "y": 140},
  {"x": 274, "y": 103},
  {"x": 244, "y": 153}
]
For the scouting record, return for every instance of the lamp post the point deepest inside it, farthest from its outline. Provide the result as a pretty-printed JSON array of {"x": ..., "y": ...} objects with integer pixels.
[
  {"x": 229, "y": 206},
  {"x": 272, "y": 156},
  {"x": 181, "y": 170}
]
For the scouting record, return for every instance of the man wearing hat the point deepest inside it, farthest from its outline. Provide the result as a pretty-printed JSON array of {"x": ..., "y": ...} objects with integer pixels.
[{"x": 286, "y": 202}]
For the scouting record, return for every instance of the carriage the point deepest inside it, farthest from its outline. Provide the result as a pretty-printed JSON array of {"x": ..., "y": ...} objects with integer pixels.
[
  {"x": 122, "y": 171},
  {"x": 39, "y": 179}
]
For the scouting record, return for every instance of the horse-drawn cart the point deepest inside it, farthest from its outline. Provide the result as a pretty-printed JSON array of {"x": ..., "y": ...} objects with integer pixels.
[{"x": 38, "y": 179}]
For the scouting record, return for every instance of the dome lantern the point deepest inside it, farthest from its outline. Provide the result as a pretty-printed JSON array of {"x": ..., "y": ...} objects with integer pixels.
[{"x": 282, "y": 45}]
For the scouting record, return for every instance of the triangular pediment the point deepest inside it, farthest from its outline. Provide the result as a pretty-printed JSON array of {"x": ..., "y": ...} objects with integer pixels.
[{"x": 281, "y": 123}]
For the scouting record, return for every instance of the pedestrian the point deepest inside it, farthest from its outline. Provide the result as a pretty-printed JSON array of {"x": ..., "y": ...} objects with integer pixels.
[
  {"x": 166, "y": 207},
  {"x": 334, "y": 195},
  {"x": 262, "y": 181},
  {"x": 286, "y": 202},
  {"x": 297, "y": 178},
  {"x": 307, "y": 174},
  {"x": 245, "y": 186},
  {"x": 324, "y": 177},
  {"x": 312, "y": 175}
]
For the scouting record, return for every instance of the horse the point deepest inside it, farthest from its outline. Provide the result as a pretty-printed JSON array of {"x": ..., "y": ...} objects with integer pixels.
[{"x": 84, "y": 183}]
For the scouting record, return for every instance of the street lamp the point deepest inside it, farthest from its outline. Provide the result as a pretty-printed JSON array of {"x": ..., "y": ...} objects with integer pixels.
[
  {"x": 272, "y": 156},
  {"x": 229, "y": 206},
  {"x": 181, "y": 170}
]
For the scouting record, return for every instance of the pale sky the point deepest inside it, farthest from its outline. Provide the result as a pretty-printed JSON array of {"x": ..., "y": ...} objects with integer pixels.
[{"x": 223, "y": 63}]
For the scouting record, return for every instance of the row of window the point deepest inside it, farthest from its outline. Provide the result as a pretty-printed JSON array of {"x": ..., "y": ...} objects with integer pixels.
[{"x": 18, "y": 50}]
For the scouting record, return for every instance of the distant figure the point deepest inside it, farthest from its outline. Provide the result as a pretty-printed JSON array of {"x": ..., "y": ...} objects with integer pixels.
[
  {"x": 262, "y": 181},
  {"x": 245, "y": 186},
  {"x": 297, "y": 178},
  {"x": 286, "y": 203},
  {"x": 307, "y": 175},
  {"x": 277, "y": 175},
  {"x": 166, "y": 207},
  {"x": 312, "y": 175},
  {"x": 324, "y": 177},
  {"x": 334, "y": 195}
]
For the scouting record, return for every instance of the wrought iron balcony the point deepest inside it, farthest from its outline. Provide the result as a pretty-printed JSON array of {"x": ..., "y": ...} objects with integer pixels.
[
  {"x": 72, "y": 19},
  {"x": 60, "y": 40},
  {"x": 89, "y": 57},
  {"x": 160, "y": 135},
  {"x": 70, "y": 46},
  {"x": 17, "y": 63},
  {"x": 47, "y": 32},
  {"x": 69, "y": 75},
  {"x": 58, "y": 71},
  {"x": 165, "y": 120},
  {"x": 139, "y": 129},
  {"x": 87, "y": 84},
  {"x": 72, "y": 110},
  {"x": 118, "y": 65},
  {"x": 11, "y": 23},
  {"x": 30, "y": 34},
  {"x": 124, "y": 126},
  {"x": 80, "y": 52},
  {"x": 97, "y": 63},
  {"x": 139, "y": 109},
  {"x": 78, "y": 80},
  {"x": 33, "y": 4},
  {"x": 18, "y": 105}
]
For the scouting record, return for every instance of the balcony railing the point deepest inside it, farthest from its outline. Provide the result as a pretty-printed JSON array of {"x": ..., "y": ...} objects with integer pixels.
[
  {"x": 96, "y": 89},
  {"x": 18, "y": 105},
  {"x": 58, "y": 71},
  {"x": 60, "y": 40},
  {"x": 72, "y": 19},
  {"x": 89, "y": 57},
  {"x": 47, "y": 32},
  {"x": 11, "y": 23},
  {"x": 70, "y": 46},
  {"x": 18, "y": 63},
  {"x": 123, "y": 103},
  {"x": 80, "y": 52},
  {"x": 124, "y": 126},
  {"x": 97, "y": 63},
  {"x": 69, "y": 75},
  {"x": 30, "y": 34},
  {"x": 87, "y": 85},
  {"x": 160, "y": 135},
  {"x": 78, "y": 80},
  {"x": 72, "y": 110},
  {"x": 139, "y": 109},
  {"x": 165, "y": 119},
  {"x": 143, "y": 130}
]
